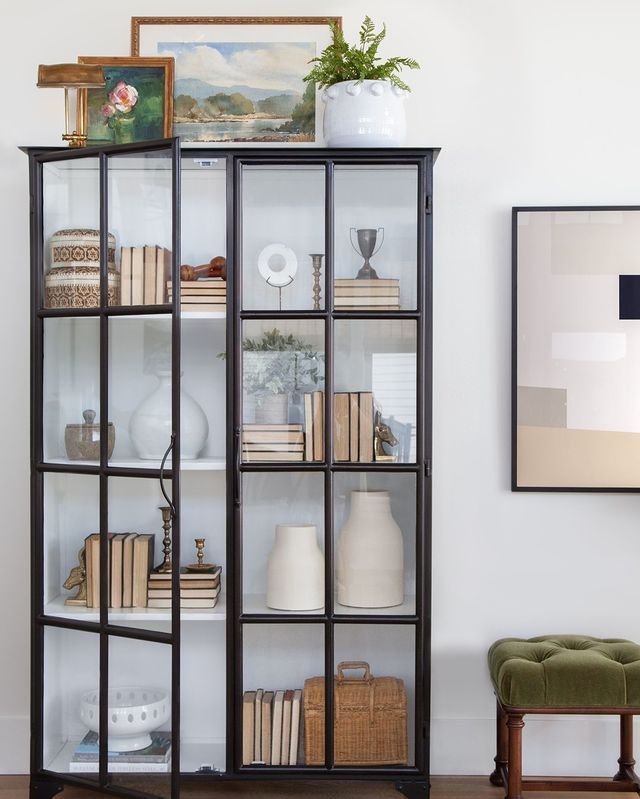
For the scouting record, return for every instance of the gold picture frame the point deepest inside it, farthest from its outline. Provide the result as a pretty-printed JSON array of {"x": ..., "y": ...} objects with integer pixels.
[
  {"x": 223, "y": 97},
  {"x": 152, "y": 115}
]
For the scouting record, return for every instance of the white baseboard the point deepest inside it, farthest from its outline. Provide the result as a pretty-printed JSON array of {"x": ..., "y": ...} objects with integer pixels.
[
  {"x": 557, "y": 745},
  {"x": 14, "y": 744}
]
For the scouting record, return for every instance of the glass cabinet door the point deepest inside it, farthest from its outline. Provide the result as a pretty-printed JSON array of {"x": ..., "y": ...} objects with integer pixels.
[
  {"x": 329, "y": 414},
  {"x": 108, "y": 406}
]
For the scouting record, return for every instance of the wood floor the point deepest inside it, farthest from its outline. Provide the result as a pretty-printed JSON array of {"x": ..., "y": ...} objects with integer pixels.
[{"x": 442, "y": 788}]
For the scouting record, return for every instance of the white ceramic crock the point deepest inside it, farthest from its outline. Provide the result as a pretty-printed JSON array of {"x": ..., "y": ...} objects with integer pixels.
[{"x": 368, "y": 113}]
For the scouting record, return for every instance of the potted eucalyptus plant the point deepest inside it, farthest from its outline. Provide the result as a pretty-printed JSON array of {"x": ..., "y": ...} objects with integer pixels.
[
  {"x": 277, "y": 366},
  {"x": 363, "y": 95}
]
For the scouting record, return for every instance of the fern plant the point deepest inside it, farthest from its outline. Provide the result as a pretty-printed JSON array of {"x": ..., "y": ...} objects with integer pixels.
[{"x": 340, "y": 61}]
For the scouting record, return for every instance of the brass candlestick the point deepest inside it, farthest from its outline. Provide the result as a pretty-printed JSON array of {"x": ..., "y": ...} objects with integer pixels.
[
  {"x": 165, "y": 566},
  {"x": 200, "y": 566},
  {"x": 316, "y": 261}
]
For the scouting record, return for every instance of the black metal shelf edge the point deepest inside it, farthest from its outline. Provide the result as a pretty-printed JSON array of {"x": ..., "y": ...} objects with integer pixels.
[
  {"x": 110, "y": 471},
  {"x": 116, "y": 310}
]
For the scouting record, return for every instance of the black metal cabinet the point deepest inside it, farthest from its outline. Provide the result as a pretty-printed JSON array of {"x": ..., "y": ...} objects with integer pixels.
[{"x": 316, "y": 393}]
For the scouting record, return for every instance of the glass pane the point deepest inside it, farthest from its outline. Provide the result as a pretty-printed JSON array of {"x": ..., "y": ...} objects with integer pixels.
[
  {"x": 140, "y": 218},
  {"x": 375, "y": 383},
  {"x": 71, "y": 390},
  {"x": 203, "y": 694},
  {"x": 204, "y": 235},
  {"x": 138, "y": 517},
  {"x": 376, "y": 237},
  {"x": 375, "y": 543},
  {"x": 70, "y": 723},
  {"x": 283, "y": 542},
  {"x": 202, "y": 344},
  {"x": 71, "y": 516},
  {"x": 71, "y": 234},
  {"x": 389, "y": 653},
  {"x": 282, "y": 228},
  {"x": 140, "y": 389},
  {"x": 280, "y": 660},
  {"x": 283, "y": 390},
  {"x": 139, "y": 708}
]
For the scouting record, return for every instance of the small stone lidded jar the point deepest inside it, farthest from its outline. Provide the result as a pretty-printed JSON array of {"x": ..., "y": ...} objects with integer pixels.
[
  {"x": 370, "y": 557},
  {"x": 82, "y": 441},
  {"x": 295, "y": 569}
]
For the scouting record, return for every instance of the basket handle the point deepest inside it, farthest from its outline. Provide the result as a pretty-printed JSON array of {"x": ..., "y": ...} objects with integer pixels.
[{"x": 354, "y": 664}]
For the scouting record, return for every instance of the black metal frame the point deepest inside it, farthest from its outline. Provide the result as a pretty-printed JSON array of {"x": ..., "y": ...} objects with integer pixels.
[
  {"x": 411, "y": 780},
  {"x": 514, "y": 350}
]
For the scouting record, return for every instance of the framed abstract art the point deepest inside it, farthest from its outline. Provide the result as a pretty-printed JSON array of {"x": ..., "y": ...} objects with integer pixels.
[{"x": 576, "y": 348}]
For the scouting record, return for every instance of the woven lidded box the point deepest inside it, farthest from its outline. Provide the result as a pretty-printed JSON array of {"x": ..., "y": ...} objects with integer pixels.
[
  {"x": 370, "y": 719},
  {"x": 74, "y": 278}
]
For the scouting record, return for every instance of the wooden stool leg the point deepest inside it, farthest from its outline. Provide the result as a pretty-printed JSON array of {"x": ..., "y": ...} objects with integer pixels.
[
  {"x": 626, "y": 760},
  {"x": 502, "y": 748},
  {"x": 515, "y": 725}
]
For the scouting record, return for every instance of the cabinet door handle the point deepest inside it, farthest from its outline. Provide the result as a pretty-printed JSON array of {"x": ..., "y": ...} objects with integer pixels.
[
  {"x": 162, "y": 488},
  {"x": 237, "y": 477}
]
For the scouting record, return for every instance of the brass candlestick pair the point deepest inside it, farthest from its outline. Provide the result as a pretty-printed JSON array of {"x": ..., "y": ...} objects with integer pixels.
[{"x": 165, "y": 566}]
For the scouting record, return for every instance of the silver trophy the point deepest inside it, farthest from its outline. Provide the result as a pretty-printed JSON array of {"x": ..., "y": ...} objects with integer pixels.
[{"x": 367, "y": 238}]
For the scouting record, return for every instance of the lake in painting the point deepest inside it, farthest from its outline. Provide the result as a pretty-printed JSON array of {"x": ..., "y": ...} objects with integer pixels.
[{"x": 242, "y": 92}]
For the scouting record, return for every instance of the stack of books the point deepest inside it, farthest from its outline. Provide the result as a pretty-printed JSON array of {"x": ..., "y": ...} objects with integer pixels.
[
  {"x": 382, "y": 294},
  {"x": 156, "y": 757},
  {"x": 353, "y": 431},
  {"x": 197, "y": 589},
  {"x": 130, "y": 561},
  {"x": 272, "y": 442},
  {"x": 314, "y": 426},
  {"x": 208, "y": 294},
  {"x": 272, "y": 728},
  {"x": 143, "y": 275}
]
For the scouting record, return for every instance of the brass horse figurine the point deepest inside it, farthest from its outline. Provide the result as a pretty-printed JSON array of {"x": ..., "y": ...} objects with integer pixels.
[
  {"x": 382, "y": 435},
  {"x": 77, "y": 577}
]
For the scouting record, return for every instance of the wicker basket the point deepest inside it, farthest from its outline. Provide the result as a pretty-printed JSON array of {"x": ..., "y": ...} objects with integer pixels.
[{"x": 370, "y": 719}]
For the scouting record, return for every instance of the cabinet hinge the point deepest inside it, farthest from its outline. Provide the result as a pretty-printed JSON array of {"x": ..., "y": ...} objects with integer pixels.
[
  {"x": 427, "y": 467},
  {"x": 428, "y": 205}
]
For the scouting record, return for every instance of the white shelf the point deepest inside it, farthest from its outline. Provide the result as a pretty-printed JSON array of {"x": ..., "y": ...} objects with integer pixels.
[
  {"x": 408, "y": 608},
  {"x": 188, "y": 315},
  {"x": 256, "y": 603},
  {"x": 216, "y": 464},
  {"x": 193, "y": 755},
  {"x": 56, "y": 607}
]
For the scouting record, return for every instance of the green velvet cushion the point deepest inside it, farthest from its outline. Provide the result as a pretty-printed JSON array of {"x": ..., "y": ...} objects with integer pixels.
[{"x": 566, "y": 671}]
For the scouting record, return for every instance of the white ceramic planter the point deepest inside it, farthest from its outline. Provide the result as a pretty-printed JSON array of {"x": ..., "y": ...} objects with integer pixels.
[
  {"x": 368, "y": 113},
  {"x": 150, "y": 425},
  {"x": 369, "y": 557},
  {"x": 132, "y": 714},
  {"x": 295, "y": 569}
]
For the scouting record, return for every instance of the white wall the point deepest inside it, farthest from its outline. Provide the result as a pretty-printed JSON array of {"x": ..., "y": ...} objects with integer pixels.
[{"x": 533, "y": 102}]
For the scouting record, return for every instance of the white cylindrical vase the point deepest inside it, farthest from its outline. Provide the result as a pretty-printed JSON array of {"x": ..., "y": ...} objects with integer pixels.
[
  {"x": 295, "y": 569},
  {"x": 150, "y": 425},
  {"x": 369, "y": 554}
]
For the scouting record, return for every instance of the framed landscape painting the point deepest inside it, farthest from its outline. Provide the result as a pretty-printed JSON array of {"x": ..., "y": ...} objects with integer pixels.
[
  {"x": 576, "y": 348},
  {"x": 240, "y": 79},
  {"x": 136, "y": 103}
]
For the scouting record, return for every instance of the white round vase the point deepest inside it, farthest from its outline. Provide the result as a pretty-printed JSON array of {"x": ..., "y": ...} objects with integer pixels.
[
  {"x": 367, "y": 113},
  {"x": 295, "y": 569},
  {"x": 369, "y": 556},
  {"x": 150, "y": 425}
]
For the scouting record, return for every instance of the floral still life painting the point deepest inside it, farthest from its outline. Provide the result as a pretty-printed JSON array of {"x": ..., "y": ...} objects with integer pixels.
[
  {"x": 242, "y": 91},
  {"x": 135, "y": 104}
]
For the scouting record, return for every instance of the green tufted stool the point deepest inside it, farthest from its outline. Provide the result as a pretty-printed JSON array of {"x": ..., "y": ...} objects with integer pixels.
[{"x": 563, "y": 674}]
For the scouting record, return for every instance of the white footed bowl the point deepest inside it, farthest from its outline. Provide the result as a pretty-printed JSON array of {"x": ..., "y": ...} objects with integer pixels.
[{"x": 133, "y": 713}]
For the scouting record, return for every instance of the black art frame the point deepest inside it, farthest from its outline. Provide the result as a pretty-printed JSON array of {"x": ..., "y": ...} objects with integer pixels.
[{"x": 517, "y": 483}]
